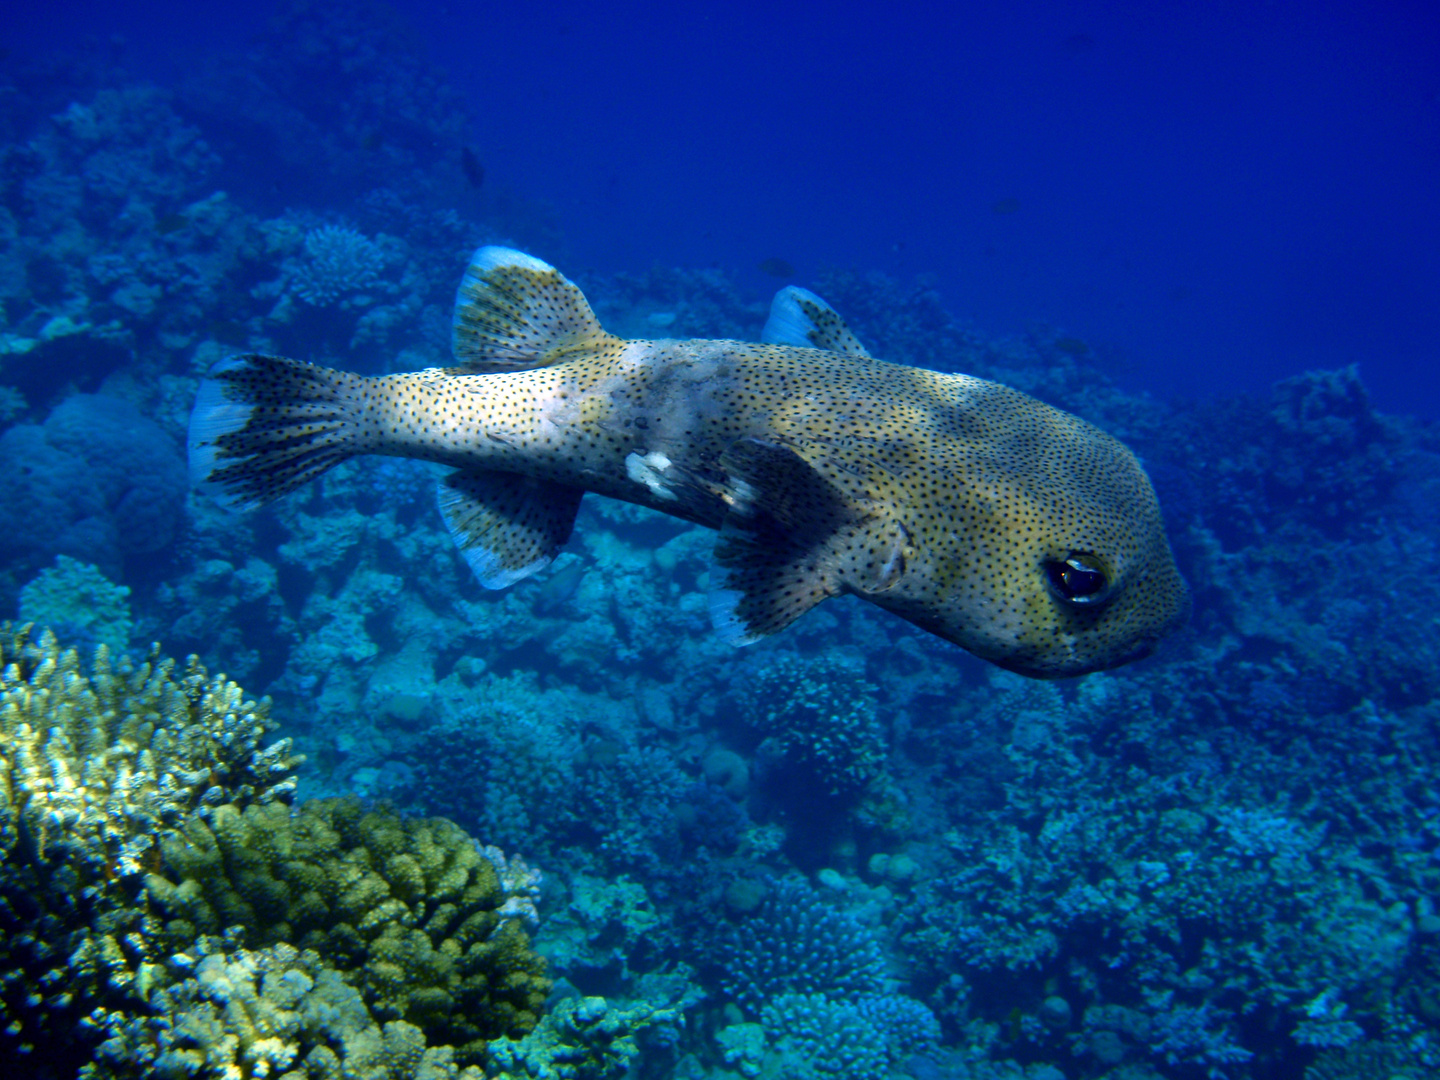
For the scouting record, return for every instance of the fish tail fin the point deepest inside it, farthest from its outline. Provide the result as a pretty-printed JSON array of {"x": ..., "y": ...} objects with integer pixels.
[
  {"x": 514, "y": 312},
  {"x": 263, "y": 426}
]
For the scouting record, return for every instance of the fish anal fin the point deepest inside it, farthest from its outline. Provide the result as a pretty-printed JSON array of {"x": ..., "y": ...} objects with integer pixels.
[
  {"x": 791, "y": 539},
  {"x": 507, "y": 526},
  {"x": 800, "y": 318},
  {"x": 514, "y": 312}
]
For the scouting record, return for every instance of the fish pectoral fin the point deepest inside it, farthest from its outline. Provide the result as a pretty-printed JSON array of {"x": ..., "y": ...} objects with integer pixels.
[
  {"x": 514, "y": 312},
  {"x": 507, "y": 526},
  {"x": 790, "y": 539},
  {"x": 800, "y": 318}
]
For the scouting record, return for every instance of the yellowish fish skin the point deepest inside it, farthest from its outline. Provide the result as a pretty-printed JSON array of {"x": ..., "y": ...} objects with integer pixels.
[
  {"x": 987, "y": 483},
  {"x": 1018, "y": 531}
]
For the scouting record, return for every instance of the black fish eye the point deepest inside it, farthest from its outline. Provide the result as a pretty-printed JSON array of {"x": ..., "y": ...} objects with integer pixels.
[{"x": 1078, "y": 578}]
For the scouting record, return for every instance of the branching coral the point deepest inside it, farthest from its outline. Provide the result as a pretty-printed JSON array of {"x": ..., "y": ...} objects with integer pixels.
[
  {"x": 141, "y": 815},
  {"x": 92, "y": 766},
  {"x": 582, "y": 1039},
  {"x": 796, "y": 943},
  {"x": 259, "y": 1013},
  {"x": 99, "y": 761},
  {"x": 338, "y": 262},
  {"x": 822, "y": 715},
  {"x": 410, "y": 911}
]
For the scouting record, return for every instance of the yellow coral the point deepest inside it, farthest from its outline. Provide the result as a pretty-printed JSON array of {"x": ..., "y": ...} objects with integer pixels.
[
  {"x": 94, "y": 765},
  {"x": 409, "y": 911}
]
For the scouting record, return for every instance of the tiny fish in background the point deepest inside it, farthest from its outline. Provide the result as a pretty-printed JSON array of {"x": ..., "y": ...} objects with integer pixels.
[
  {"x": 1005, "y": 206},
  {"x": 1009, "y": 527},
  {"x": 559, "y": 589},
  {"x": 171, "y": 223},
  {"x": 776, "y": 268},
  {"x": 470, "y": 165}
]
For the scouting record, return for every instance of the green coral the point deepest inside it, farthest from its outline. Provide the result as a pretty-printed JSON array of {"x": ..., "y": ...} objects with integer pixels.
[
  {"x": 163, "y": 912},
  {"x": 79, "y": 601},
  {"x": 408, "y": 910}
]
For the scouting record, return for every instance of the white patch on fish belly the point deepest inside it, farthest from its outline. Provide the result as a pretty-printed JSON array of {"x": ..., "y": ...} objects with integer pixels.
[{"x": 649, "y": 471}]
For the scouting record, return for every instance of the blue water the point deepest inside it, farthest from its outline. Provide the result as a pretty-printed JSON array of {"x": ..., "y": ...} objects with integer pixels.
[
  {"x": 852, "y": 849},
  {"x": 1222, "y": 193}
]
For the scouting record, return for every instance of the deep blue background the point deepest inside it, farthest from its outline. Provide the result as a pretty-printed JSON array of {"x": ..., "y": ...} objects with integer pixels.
[{"x": 1226, "y": 193}]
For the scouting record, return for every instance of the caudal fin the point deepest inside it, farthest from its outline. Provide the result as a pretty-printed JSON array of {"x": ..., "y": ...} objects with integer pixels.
[{"x": 263, "y": 426}]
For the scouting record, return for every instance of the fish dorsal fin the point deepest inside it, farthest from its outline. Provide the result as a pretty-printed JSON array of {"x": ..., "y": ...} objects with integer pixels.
[
  {"x": 507, "y": 526},
  {"x": 790, "y": 539},
  {"x": 798, "y": 317},
  {"x": 513, "y": 311}
]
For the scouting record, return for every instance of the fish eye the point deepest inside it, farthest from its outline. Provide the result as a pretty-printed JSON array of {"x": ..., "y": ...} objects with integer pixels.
[{"x": 1078, "y": 578}]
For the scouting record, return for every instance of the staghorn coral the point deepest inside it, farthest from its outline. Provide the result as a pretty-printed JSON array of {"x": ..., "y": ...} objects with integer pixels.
[
  {"x": 409, "y": 911},
  {"x": 92, "y": 766}
]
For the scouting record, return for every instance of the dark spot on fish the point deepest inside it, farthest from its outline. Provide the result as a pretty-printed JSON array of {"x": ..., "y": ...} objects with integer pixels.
[
  {"x": 1078, "y": 43},
  {"x": 470, "y": 164},
  {"x": 170, "y": 223},
  {"x": 1179, "y": 293},
  {"x": 371, "y": 141},
  {"x": 1005, "y": 206},
  {"x": 777, "y": 268},
  {"x": 1072, "y": 346},
  {"x": 228, "y": 332}
]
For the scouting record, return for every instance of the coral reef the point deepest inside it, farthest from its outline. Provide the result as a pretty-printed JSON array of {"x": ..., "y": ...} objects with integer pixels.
[
  {"x": 97, "y": 481},
  {"x": 143, "y": 816},
  {"x": 258, "y": 1013},
  {"x": 93, "y": 766},
  {"x": 821, "y": 716},
  {"x": 78, "y": 602},
  {"x": 1224, "y": 861},
  {"x": 796, "y": 943},
  {"x": 409, "y": 911}
]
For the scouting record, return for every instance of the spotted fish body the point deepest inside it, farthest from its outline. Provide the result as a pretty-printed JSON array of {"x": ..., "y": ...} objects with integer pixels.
[{"x": 1014, "y": 529}]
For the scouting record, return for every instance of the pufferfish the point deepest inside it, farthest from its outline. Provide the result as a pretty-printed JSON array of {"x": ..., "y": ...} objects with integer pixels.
[{"x": 1015, "y": 530}]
